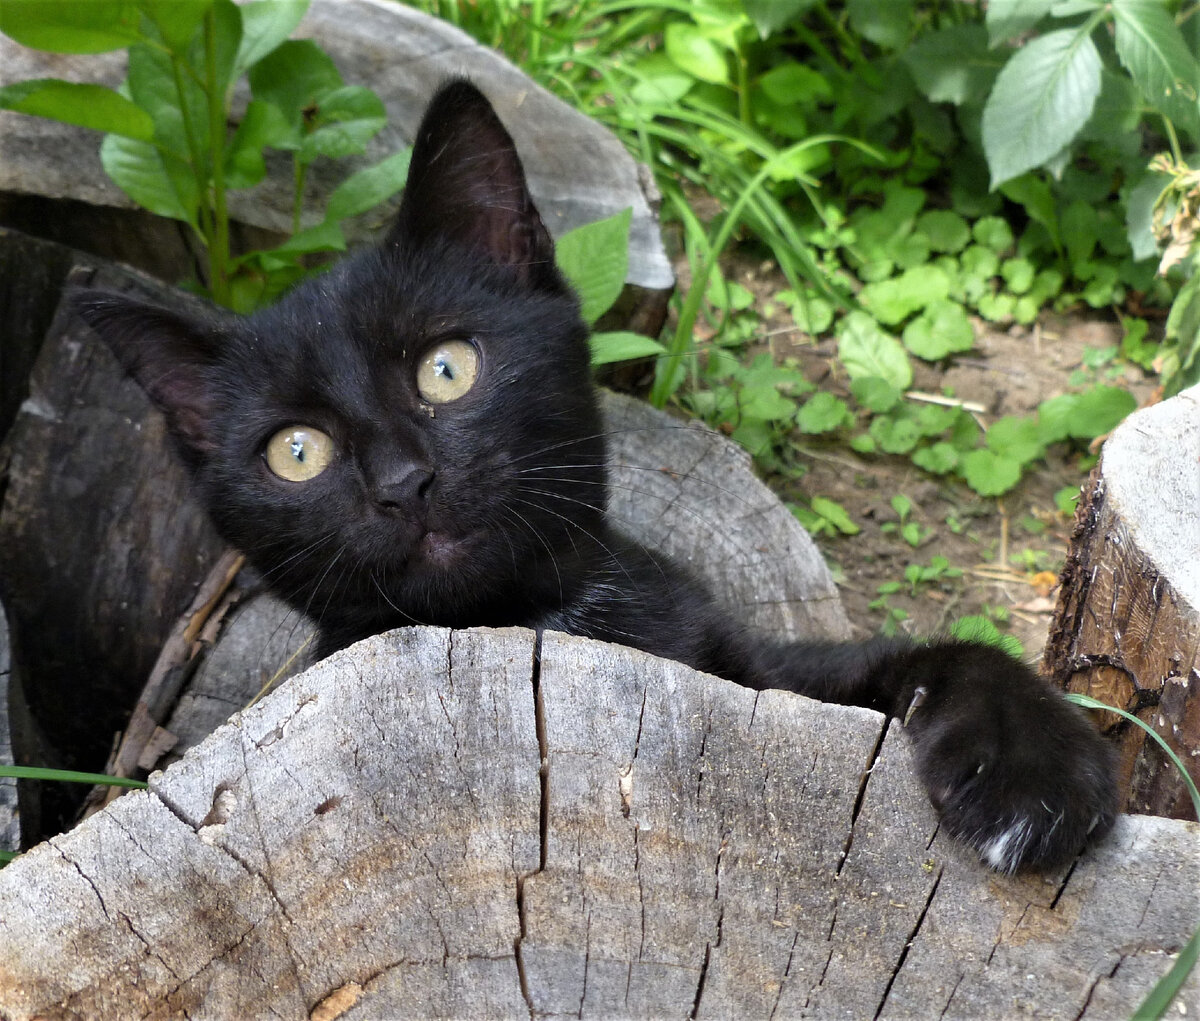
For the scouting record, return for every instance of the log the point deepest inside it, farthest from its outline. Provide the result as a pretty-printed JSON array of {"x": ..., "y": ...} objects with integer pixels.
[
  {"x": 452, "y": 824},
  {"x": 10, "y": 821},
  {"x": 100, "y": 547},
  {"x": 1127, "y": 626},
  {"x": 52, "y": 183}
]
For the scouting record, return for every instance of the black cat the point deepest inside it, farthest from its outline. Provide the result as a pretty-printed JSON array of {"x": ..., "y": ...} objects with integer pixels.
[{"x": 414, "y": 438}]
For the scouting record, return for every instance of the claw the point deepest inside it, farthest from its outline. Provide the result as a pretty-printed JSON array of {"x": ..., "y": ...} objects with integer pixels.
[{"x": 918, "y": 700}]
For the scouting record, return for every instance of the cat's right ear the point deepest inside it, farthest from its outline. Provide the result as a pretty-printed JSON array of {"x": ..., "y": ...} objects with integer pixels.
[{"x": 169, "y": 354}]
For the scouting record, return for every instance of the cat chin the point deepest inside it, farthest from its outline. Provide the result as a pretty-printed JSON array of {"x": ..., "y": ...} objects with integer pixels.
[{"x": 441, "y": 550}]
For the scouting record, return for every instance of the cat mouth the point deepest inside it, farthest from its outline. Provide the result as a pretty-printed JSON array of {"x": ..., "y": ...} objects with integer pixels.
[{"x": 441, "y": 549}]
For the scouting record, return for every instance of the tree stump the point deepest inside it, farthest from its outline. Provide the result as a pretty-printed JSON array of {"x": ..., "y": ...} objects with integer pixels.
[
  {"x": 1127, "y": 625},
  {"x": 473, "y": 823},
  {"x": 52, "y": 183}
]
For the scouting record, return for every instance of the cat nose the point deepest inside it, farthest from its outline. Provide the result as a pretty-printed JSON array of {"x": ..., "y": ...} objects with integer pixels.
[{"x": 406, "y": 491}]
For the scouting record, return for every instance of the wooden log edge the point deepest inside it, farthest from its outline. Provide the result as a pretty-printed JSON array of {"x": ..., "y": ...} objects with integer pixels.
[{"x": 473, "y": 823}]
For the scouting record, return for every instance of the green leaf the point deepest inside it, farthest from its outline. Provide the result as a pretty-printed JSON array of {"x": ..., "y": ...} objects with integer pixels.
[
  {"x": 1041, "y": 99},
  {"x": 894, "y": 300},
  {"x": 1066, "y": 498},
  {"x": 1018, "y": 273},
  {"x": 345, "y": 120},
  {"x": 176, "y": 20},
  {"x": 1100, "y": 410},
  {"x": 595, "y": 259},
  {"x": 88, "y": 106},
  {"x": 989, "y": 473},
  {"x": 695, "y": 52},
  {"x": 875, "y": 394},
  {"x": 1151, "y": 46},
  {"x": 946, "y": 230},
  {"x": 261, "y": 125},
  {"x": 1079, "y": 230},
  {"x": 294, "y": 76},
  {"x": 368, "y": 187},
  {"x": 769, "y": 16},
  {"x": 993, "y": 232},
  {"x": 941, "y": 330},
  {"x": 1031, "y": 191},
  {"x": 895, "y": 435},
  {"x": 885, "y": 24},
  {"x": 72, "y": 26},
  {"x": 1016, "y": 438},
  {"x": 812, "y": 314},
  {"x": 937, "y": 459},
  {"x": 835, "y": 514},
  {"x": 866, "y": 350},
  {"x": 266, "y": 24},
  {"x": 622, "y": 346},
  {"x": 1139, "y": 214},
  {"x": 324, "y": 237},
  {"x": 823, "y": 413},
  {"x": 139, "y": 170},
  {"x": 1007, "y": 19},
  {"x": 953, "y": 65}
]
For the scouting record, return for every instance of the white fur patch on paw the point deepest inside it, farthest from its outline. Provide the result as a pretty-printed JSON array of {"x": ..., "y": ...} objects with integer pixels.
[{"x": 1004, "y": 853}]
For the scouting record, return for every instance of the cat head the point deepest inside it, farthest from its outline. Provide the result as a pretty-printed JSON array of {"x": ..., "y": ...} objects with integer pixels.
[{"x": 413, "y": 436}]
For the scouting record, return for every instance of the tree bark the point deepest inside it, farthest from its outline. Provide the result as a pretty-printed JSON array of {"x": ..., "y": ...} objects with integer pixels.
[
  {"x": 1127, "y": 627},
  {"x": 454, "y": 824}
]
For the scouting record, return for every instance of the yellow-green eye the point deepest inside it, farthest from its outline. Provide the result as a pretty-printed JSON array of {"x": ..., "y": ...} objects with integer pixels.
[
  {"x": 299, "y": 453},
  {"x": 447, "y": 371}
]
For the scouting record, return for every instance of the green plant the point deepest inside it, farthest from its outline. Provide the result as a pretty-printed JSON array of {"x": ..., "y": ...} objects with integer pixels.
[
  {"x": 169, "y": 142},
  {"x": 911, "y": 532},
  {"x": 937, "y": 570}
]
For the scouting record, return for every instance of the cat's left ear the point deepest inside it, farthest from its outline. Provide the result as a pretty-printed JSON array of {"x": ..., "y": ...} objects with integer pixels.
[
  {"x": 466, "y": 184},
  {"x": 170, "y": 355}
]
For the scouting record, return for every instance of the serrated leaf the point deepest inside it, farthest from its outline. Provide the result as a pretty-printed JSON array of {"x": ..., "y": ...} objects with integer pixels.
[
  {"x": 88, "y": 106},
  {"x": 1041, "y": 99},
  {"x": 1151, "y": 47},
  {"x": 866, "y": 350},
  {"x": 622, "y": 346},
  {"x": 595, "y": 259},
  {"x": 989, "y": 473}
]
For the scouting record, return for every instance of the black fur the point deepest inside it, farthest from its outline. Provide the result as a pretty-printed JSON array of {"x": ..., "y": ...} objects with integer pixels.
[{"x": 489, "y": 510}]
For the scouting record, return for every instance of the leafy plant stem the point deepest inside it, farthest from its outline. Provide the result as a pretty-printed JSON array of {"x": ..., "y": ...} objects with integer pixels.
[
  {"x": 218, "y": 252},
  {"x": 1172, "y": 139},
  {"x": 299, "y": 172}
]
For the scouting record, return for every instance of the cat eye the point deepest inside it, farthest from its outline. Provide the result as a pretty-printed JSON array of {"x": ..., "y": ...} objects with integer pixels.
[
  {"x": 299, "y": 453},
  {"x": 447, "y": 371}
]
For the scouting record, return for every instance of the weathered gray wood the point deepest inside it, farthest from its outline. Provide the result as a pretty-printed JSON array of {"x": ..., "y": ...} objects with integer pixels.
[
  {"x": 578, "y": 170},
  {"x": 100, "y": 546},
  {"x": 428, "y": 825},
  {"x": 1127, "y": 626},
  {"x": 10, "y": 822}
]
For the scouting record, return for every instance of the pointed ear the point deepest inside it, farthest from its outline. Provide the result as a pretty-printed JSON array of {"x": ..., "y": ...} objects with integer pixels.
[
  {"x": 466, "y": 184},
  {"x": 170, "y": 355}
]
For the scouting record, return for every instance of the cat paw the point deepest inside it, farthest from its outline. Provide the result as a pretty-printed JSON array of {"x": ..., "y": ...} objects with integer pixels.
[{"x": 1014, "y": 770}]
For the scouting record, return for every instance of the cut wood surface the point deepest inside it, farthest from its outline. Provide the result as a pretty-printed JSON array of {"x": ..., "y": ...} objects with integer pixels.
[
  {"x": 578, "y": 170},
  {"x": 449, "y": 824},
  {"x": 1127, "y": 627}
]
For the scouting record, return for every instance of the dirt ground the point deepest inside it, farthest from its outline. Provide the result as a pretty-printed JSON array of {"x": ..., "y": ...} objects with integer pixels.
[{"x": 1010, "y": 550}]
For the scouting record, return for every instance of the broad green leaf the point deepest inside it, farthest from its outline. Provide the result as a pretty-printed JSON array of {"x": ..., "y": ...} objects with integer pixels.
[
  {"x": 695, "y": 52},
  {"x": 953, "y": 65},
  {"x": 324, "y": 237},
  {"x": 793, "y": 82},
  {"x": 1079, "y": 230},
  {"x": 659, "y": 80},
  {"x": 823, "y": 413},
  {"x": 71, "y": 26},
  {"x": 1139, "y": 214},
  {"x": 1007, "y": 19},
  {"x": 993, "y": 232},
  {"x": 1100, "y": 410},
  {"x": 812, "y": 314},
  {"x": 1015, "y": 437},
  {"x": 345, "y": 120},
  {"x": 1054, "y": 417},
  {"x": 866, "y": 350},
  {"x": 1018, "y": 274},
  {"x": 1042, "y": 97},
  {"x": 88, "y": 106},
  {"x": 137, "y": 168},
  {"x": 176, "y": 20},
  {"x": 989, "y": 473},
  {"x": 895, "y": 435},
  {"x": 946, "y": 230},
  {"x": 294, "y": 76},
  {"x": 894, "y": 300},
  {"x": 937, "y": 459},
  {"x": 941, "y": 330},
  {"x": 886, "y": 24},
  {"x": 595, "y": 259},
  {"x": 980, "y": 262},
  {"x": 266, "y": 24},
  {"x": 874, "y": 393},
  {"x": 178, "y": 106},
  {"x": 1033, "y": 193},
  {"x": 368, "y": 187},
  {"x": 261, "y": 125},
  {"x": 1152, "y": 48},
  {"x": 622, "y": 346}
]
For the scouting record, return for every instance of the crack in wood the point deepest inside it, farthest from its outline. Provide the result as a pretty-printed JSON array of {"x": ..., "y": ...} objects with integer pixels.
[{"x": 912, "y": 936}]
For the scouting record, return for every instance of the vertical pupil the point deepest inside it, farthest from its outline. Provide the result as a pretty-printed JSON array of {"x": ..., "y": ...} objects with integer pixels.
[
  {"x": 297, "y": 447},
  {"x": 442, "y": 368}
]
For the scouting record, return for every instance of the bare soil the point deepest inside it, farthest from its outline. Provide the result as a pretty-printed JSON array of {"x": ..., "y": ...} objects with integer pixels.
[{"x": 1010, "y": 550}]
